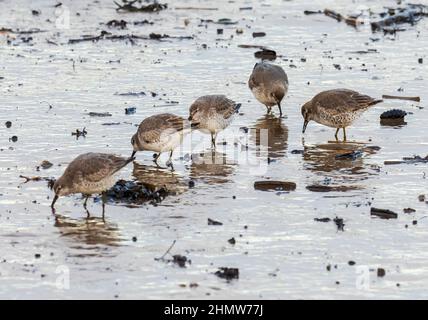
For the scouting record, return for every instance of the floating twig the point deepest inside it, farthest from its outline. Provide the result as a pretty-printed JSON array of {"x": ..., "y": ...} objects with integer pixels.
[
  {"x": 417, "y": 99},
  {"x": 129, "y": 6}
]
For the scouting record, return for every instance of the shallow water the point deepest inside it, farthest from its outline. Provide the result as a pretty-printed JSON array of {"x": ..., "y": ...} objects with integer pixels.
[{"x": 280, "y": 250}]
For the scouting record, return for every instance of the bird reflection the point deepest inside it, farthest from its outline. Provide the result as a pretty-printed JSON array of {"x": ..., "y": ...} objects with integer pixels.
[
  {"x": 211, "y": 167},
  {"x": 343, "y": 161},
  {"x": 91, "y": 233},
  {"x": 154, "y": 178},
  {"x": 271, "y": 133}
]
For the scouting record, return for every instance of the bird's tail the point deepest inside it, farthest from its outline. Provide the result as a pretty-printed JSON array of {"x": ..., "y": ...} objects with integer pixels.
[
  {"x": 375, "y": 102},
  {"x": 237, "y": 107}
]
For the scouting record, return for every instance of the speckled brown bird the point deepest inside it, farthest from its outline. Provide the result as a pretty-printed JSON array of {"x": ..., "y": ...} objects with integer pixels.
[
  {"x": 337, "y": 108},
  {"x": 90, "y": 173},
  {"x": 212, "y": 114},
  {"x": 269, "y": 84},
  {"x": 160, "y": 133}
]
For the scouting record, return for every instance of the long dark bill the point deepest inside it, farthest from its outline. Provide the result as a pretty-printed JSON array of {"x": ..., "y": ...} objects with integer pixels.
[
  {"x": 305, "y": 125},
  {"x": 54, "y": 200}
]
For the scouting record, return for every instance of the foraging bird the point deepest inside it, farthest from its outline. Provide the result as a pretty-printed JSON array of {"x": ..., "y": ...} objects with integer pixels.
[
  {"x": 269, "y": 84},
  {"x": 337, "y": 108},
  {"x": 212, "y": 114},
  {"x": 160, "y": 133},
  {"x": 89, "y": 173}
]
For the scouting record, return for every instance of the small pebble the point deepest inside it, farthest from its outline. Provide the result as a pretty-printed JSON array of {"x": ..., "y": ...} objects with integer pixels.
[
  {"x": 8, "y": 124},
  {"x": 381, "y": 272}
]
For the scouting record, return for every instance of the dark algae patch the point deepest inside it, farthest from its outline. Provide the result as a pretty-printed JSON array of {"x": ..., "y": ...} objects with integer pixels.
[
  {"x": 227, "y": 273},
  {"x": 274, "y": 185},
  {"x": 383, "y": 213}
]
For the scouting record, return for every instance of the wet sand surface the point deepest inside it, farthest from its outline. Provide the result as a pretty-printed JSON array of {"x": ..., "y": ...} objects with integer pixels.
[{"x": 49, "y": 88}]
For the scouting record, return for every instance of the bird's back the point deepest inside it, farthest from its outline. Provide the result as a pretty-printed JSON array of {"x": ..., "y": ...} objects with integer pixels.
[
  {"x": 267, "y": 74},
  {"x": 152, "y": 127},
  {"x": 212, "y": 105},
  {"x": 342, "y": 100},
  {"x": 94, "y": 167}
]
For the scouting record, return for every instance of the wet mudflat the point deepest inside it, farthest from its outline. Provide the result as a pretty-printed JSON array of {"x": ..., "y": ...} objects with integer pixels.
[{"x": 283, "y": 244}]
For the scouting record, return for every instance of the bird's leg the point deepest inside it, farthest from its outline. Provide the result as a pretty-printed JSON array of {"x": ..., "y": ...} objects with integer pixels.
[
  {"x": 156, "y": 159},
  {"x": 169, "y": 162},
  {"x": 280, "y": 110},
  {"x": 104, "y": 200},
  {"x": 344, "y": 134},
  {"x": 84, "y": 205},
  {"x": 269, "y": 109},
  {"x": 337, "y": 131},
  {"x": 53, "y": 203},
  {"x": 213, "y": 137}
]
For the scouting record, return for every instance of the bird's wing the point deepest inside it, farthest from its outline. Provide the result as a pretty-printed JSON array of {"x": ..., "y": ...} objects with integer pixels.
[
  {"x": 225, "y": 107},
  {"x": 336, "y": 101},
  {"x": 96, "y": 167},
  {"x": 164, "y": 124}
]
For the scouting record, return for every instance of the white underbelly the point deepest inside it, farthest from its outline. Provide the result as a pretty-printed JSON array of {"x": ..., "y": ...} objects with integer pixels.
[
  {"x": 165, "y": 143},
  {"x": 87, "y": 187}
]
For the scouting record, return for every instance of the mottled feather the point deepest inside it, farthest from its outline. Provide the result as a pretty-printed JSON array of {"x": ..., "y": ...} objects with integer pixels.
[
  {"x": 151, "y": 128},
  {"x": 94, "y": 167},
  {"x": 212, "y": 104},
  {"x": 342, "y": 100}
]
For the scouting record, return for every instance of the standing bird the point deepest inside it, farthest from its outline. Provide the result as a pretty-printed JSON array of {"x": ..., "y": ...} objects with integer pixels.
[
  {"x": 212, "y": 114},
  {"x": 160, "y": 133},
  {"x": 269, "y": 84},
  {"x": 89, "y": 173},
  {"x": 337, "y": 108}
]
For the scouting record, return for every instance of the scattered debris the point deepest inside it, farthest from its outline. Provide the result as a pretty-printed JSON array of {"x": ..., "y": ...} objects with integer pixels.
[
  {"x": 339, "y": 224},
  {"x": 135, "y": 193},
  {"x": 121, "y": 24},
  {"x": 259, "y": 34},
  {"x": 129, "y": 7},
  {"x": 224, "y": 21},
  {"x": 408, "y": 160},
  {"x": 104, "y": 35},
  {"x": 266, "y": 54},
  {"x": 232, "y": 241},
  {"x": 349, "y": 155},
  {"x": 421, "y": 198},
  {"x": 309, "y": 12},
  {"x": 227, "y": 273},
  {"x": 417, "y": 99},
  {"x": 177, "y": 258},
  {"x": 50, "y": 181},
  {"x": 46, "y": 164},
  {"x": 212, "y": 222},
  {"x": 351, "y": 263},
  {"x": 380, "y": 272},
  {"x": 100, "y": 114},
  {"x": 393, "y": 17},
  {"x": 130, "y": 110},
  {"x": 409, "y": 210},
  {"x": 13, "y": 138},
  {"x": 274, "y": 185},
  {"x": 8, "y": 124},
  {"x": 79, "y": 133},
  {"x": 324, "y": 188},
  {"x": 383, "y": 213},
  {"x": 393, "y": 117},
  {"x": 322, "y": 219}
]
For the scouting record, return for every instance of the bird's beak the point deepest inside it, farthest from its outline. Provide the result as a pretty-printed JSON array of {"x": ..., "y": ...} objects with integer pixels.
[
  {"x": 53, "y": 202},
  {"x": 305, "y": 124},
  {"x": 133, "y": 154}
]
